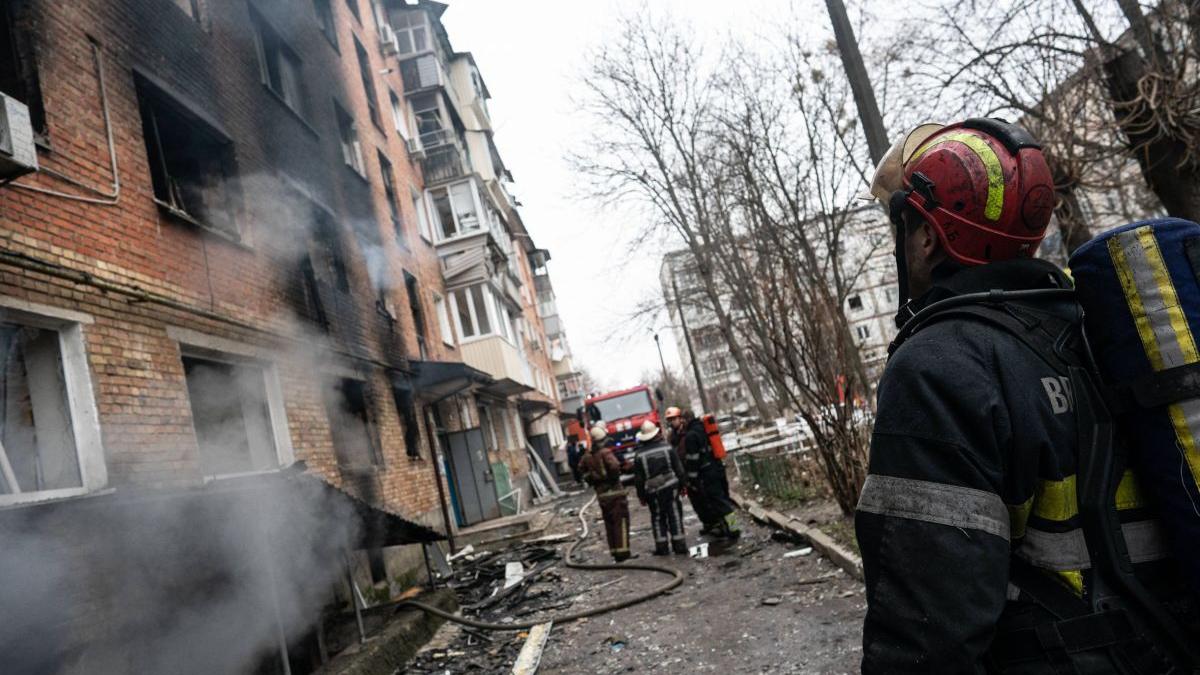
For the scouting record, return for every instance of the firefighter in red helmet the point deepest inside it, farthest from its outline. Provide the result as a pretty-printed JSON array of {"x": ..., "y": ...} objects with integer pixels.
[{"x": 968, "y": 524}]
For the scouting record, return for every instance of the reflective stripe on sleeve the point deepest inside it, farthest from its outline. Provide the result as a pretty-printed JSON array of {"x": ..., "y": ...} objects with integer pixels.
[
  {"x": 939, "y": 503},
  {"x": 1062, "y": 551}
]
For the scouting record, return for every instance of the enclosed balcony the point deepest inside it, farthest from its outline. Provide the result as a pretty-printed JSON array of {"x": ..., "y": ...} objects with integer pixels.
[
  {"x": 421, "y": 73},
  {"x": 445, "y": 159}
]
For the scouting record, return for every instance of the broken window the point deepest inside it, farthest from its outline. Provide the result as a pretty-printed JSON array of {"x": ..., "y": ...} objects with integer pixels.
[
  {"x": 349, "y": 424},
  {"x": 456, "y": 209},
  {"x": 18, "y": 66},
  {"x": 191, "y": 163},
  {"x": 439, "y": 305},
  {"x": 329, "y": 261},
  {"x": 418, "y": 203},
  {"x": 348, "y": 133},
  {"x": 231, "y": 416},
  {"x": 389, "y": 191},
  {"x": 368, "y": 82},
  {"x": 325, "y": 20},
  {"x": 399, "y": 119},
  {"x": 855, "y": 302},
  {"x": 418, "y": 314},
  {"x": 37, "y": 443},
  {"x": 408, "y": 414},
  {"x": 428, "y": 113},
  {"x": 471, "y": 306},
  {"x": 279, "y": 65}
]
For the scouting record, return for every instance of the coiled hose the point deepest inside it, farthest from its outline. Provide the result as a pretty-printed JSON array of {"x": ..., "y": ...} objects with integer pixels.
[{"x": 676, "y": 580}]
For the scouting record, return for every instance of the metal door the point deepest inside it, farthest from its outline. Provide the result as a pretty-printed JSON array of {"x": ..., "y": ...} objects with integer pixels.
[{"x": 471, "y": 475}]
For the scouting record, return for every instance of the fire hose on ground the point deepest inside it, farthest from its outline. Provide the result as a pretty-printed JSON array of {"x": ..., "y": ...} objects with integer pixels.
[{"x": 676, "y": 580}]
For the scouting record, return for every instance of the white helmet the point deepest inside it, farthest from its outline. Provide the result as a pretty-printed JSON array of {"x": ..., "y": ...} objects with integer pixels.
[
  {"x": 599, "y": 433},
  {"x": 648, "y": 432}
]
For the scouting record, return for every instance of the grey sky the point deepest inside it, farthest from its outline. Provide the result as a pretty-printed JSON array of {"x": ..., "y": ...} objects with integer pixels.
[{"x": 531, "y": 53}]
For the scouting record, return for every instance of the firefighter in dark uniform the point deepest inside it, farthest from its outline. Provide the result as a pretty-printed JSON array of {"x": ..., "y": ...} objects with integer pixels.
[
  {"x": 658, "y": 476},
  {"x": 704, "y": 476},
  {"x": 602, "y": 471},
  {"x": 968, "y": 522}
]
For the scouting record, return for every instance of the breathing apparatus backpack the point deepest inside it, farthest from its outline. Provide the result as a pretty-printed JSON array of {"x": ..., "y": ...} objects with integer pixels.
[
  {"x": 1136, "y": 395},
  {"x": 713, "y": 431}
]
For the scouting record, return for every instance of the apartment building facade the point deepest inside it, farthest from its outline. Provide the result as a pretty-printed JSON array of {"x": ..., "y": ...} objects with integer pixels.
[
  {"x": 870, "y": 308},
  {"x": 242, "y": 259}
]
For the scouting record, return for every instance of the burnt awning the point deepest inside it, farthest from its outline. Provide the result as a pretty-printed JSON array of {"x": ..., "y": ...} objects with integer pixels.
[
  {"x": 505, "y": 388},
  {"x": 533, "y": 407},
  {"x": 435, "y": 380}
]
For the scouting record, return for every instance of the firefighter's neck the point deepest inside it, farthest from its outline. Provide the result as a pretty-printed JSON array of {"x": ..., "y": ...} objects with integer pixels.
[{"x": 923, "y": 252}]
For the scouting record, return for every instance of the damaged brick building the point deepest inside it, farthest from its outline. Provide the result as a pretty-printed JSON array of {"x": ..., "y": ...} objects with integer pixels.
[{"x": 264, "y": 237}]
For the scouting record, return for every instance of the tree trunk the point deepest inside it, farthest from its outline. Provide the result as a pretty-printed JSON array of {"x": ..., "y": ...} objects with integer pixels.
[{"x": 1164, "y": 160}]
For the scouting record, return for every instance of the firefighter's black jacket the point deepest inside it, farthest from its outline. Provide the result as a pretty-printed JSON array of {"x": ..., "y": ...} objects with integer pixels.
[{"x": 971, "y": 477}]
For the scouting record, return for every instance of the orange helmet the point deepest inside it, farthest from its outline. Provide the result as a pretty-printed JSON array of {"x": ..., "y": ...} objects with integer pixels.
[{"x": 984, "y": 186}]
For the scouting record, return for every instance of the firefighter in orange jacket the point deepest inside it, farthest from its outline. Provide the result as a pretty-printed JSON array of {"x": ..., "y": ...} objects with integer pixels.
[{"x": 602, "y": 471}]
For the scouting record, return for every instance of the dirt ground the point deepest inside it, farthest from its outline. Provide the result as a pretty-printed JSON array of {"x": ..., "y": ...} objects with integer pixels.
[{"x": 743, "y": 609}]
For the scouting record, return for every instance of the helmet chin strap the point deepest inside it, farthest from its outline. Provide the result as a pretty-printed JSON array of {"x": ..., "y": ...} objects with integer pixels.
[{"x": 896, "y": 214}]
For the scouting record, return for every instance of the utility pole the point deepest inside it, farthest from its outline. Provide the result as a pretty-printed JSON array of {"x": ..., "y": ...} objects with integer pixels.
[
  {"x": 661, "y": 360},
  {"x": 687, "y": 340},
  {"x": 860, "y": 82}
]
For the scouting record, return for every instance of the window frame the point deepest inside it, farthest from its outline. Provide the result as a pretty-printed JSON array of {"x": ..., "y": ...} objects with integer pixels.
[
  {"x": 326, "y": 21},
  {"x": 294, "y": 101},
  {"x": 387, "y": 173},
  {"x": 444, "y": 324},
  {"x": 80, "y": 399},
  {"x": 421, "y": 206},
  {"x": 153, "y": 100},
  {"x": 409, "y": 30},
  {"x": 352, "y": 146},
  {"x": 489, "y": 311},
  {"x": 399, "y": 116},
  {"x": 367, "y": 75}
]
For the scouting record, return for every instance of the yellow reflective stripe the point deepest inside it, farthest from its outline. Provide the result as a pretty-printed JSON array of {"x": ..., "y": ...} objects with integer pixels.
[
  {"x": 1018, "y": 515},
  {"x": 1058, "y": 500},
  {"x": 1141, "y": 320},
  {"x": 1129, "y": 493},
  {"x": 1073, "y": 579},
  {"x": 1168, "y": 339},
  {"x": 991, "y": 163}
]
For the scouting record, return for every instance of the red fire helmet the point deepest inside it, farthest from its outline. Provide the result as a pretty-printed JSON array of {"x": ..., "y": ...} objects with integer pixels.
[{"x": 985, "y": 188}]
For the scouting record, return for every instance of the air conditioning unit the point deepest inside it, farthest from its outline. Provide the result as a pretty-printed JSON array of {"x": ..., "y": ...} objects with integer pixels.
[
  {"x": 415, "y": 149},
  {"x": 388, "y": 41},
  {"x": 18, "y": 154}
]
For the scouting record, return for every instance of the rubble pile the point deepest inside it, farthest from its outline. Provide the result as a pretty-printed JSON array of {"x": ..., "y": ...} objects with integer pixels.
[{"x": 500, "y": 587}]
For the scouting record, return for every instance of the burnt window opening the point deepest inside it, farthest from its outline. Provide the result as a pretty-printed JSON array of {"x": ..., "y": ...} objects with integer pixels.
[
  {"x": 368, "y": 82},
  {"x": 324, "y": 11},
  {"x": 353, "y": 6},
  {"x": 330, "y": 259},
  {"x": 189, "y": 7},
  {"x": 855, "y": 302},
  {"x": 18, "y": 62},
  {"x": 231, "y": 416},
  {"x": 279, "y": 66},
  {"x": 191, "y": 163},
  {"x": 313, "y": 309},
  {"x": 417, "y": 312},
  {"x": 406, "y": 406},
  {"x": 348, "y": 135},
  {"x": 389, "y": 191},
  {"x": 37, "y": 443},
  {"x": 349, "y": 424}
]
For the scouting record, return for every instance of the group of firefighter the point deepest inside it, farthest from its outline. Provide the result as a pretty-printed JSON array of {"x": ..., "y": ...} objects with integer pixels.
[{"x": 666, "y": 465}]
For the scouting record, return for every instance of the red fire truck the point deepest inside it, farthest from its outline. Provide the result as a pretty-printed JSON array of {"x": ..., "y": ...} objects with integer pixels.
[{"x": 623, "y": 413}]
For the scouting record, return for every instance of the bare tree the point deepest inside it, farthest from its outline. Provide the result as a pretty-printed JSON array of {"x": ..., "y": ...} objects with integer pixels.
[{"x": 752, "y": 163}]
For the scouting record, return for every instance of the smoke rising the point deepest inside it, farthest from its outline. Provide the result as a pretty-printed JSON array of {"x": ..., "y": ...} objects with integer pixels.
[{"x": 195, "y": 582}]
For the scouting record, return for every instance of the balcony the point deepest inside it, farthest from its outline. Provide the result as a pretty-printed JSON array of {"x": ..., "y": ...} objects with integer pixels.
[
  {"x": 445, "y": 159},
  {"x": 496, "y": 357},
  {"x": 421, "y": 73}
]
